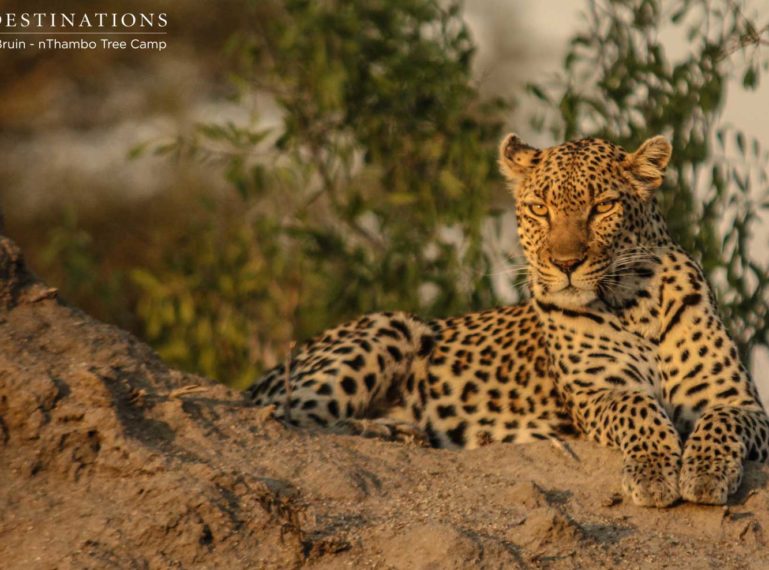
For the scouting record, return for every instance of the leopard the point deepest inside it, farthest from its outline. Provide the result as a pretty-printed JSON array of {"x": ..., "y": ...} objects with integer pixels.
[{"x": 620, "y": 342}]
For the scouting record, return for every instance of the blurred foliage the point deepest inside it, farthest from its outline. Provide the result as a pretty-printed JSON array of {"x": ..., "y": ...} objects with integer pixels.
[
  {"x": 370, "y": 195},
  {"x": 77, "y": 266},
  {"x": 220, "y": 300},
  {"x": 620, "y": 84},
  {"x": 369, "y": 187}
]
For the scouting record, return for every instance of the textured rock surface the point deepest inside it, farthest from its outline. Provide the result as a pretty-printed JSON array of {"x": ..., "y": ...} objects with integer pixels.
[{"x": 110, "y": 459}]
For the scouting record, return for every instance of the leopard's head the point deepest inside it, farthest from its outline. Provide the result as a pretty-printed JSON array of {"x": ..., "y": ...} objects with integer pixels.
[{"x": 584, "y": 210}]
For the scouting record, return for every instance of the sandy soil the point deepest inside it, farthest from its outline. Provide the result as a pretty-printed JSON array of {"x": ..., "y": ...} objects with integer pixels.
[{"x": 108, "y": 459}]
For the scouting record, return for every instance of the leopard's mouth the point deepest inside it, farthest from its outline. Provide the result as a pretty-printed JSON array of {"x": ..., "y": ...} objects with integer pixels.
[{"x": 568, "y": 289}]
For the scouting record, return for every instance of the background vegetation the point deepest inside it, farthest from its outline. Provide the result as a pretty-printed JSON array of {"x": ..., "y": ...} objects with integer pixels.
[{"x": 375, "y": 186}]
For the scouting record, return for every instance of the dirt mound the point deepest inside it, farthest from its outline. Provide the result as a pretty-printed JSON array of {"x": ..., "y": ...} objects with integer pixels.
[{"x": 110, "y": 459}]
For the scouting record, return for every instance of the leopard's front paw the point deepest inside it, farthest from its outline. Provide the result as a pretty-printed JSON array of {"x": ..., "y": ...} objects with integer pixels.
[
  {"x": 709, "y": 481},
  {"x": 651, "y": 480}
]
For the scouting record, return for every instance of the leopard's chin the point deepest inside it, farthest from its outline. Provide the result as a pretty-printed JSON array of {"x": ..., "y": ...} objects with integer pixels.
[{"x": 569, "y": 297}]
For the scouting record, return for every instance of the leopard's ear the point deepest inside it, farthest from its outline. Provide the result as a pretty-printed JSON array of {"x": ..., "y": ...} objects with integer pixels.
[
  {"x": 646, "y": 166},
  {"x": 516, "y": 158}
]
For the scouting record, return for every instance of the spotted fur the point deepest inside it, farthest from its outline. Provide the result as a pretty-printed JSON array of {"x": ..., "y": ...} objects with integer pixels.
[{"x": 621, "y": 342}]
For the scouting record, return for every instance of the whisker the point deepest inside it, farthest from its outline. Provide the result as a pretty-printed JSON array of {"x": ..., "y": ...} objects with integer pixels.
[
  {"x": 632, "y": 258},
  {"x": 508, "y": 271}
]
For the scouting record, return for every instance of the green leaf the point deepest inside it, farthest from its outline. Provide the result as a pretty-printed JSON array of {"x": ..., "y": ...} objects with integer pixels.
[
  {"x": 740, "y": 140},
  {"x": 750, "y": 78}
]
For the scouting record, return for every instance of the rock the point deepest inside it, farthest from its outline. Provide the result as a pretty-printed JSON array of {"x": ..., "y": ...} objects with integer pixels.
[{"x": 112, "y": 460}]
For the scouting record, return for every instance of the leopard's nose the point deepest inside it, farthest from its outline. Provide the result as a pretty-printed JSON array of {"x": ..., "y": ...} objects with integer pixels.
[{"x": 567, "y": 265}]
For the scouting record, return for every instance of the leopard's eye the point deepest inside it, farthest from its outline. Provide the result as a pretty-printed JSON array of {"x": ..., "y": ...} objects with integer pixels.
[
  {"x": 605, "y": 206},
  {"x": 538, "y": 210}
]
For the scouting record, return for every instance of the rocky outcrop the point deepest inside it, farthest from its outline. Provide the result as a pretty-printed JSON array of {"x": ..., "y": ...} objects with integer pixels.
[{"x": 109, "y": 459}]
